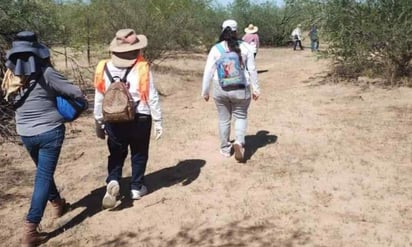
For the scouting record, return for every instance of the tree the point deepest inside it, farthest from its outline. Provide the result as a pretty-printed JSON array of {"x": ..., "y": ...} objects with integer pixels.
[
  {"x": 37, "y": 16},
  {"x": 370, "y": 36}
]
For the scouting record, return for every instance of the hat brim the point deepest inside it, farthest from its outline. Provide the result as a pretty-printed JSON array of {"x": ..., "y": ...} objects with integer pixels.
[
  {"x": 253, "y": 30},
  {"x": 38, "y": 49},
  {"x": 142, "y": 43}
]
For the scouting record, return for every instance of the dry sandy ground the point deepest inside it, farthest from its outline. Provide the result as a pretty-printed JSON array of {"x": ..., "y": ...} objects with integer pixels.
[{"x": 328, "y": 165}]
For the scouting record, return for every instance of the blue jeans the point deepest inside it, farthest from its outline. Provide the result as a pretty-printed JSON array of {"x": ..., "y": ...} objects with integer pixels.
[
  {"x": 314, "y": 44},
  {"x": 231, "y": 103},
  {"x": 44, "y": 149},
  {"x": 135, "y": 134}
]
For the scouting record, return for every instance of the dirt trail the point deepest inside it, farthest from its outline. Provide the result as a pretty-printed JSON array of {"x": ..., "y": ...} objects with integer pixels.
[{"x": 328, "y": 165}]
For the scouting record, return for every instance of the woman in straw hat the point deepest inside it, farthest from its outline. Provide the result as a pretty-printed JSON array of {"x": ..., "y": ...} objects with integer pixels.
[
  {"x": 233, "y": 101},
  {"x": 38, "y": 122},
  {"x": 252, "y": 38},
  {"x": 127, "y": 59}
]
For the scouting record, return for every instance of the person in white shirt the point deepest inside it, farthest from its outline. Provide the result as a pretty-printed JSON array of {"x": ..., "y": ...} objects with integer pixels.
[
  {"x": 297, "y": 37},
  {"x": 126, "y": 56},
  {"x": 233, "y": 100}
]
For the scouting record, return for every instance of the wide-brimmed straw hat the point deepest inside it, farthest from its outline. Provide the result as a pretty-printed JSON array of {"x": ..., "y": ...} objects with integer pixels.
[
  {"x": 251, "y": 29},
  {"x": 21, "y": 58},
  {"x": 125, "y": 47}
]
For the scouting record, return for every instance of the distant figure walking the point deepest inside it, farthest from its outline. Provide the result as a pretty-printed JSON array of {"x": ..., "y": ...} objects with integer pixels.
[
  {"x": 297, "y": 37},
  {"x": 252, "y": 38},
  {"x": 33, "y": 87},
  {"x": 314, "y": 38},
  {"x": 229, "y": 63}
]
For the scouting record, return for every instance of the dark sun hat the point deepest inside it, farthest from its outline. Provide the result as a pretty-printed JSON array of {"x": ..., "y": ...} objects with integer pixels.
[{"x": 21, "y": 58}]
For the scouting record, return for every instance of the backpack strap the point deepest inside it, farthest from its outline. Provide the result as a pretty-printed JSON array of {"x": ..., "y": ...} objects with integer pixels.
[
  {"x": 33, "y": 82},
  {"x": 221, "y": 48},
  {"x": 106, "y": 70},
  {"x": 124, "y": 79},
  {"x": 23, "y": 98}
]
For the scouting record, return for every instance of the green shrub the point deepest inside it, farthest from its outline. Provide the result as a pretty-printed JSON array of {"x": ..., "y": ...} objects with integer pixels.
[{"x": 371, "y": 35}]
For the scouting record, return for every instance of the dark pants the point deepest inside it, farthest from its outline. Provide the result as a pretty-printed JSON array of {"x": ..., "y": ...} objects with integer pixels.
[
  {"x": 44, "y": 149},
  {"x": 135, "y": 134},
  {"x": 296, "y": 43}
]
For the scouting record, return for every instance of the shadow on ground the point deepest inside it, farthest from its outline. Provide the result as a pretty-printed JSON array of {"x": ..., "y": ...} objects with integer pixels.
[
  {"x": 184, "y": 172},
  {"x": 259, "y": 140},
  {"x": 238, "y": 233}
]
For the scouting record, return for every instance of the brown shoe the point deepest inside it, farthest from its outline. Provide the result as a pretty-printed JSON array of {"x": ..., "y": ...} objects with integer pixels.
[
  {"x": 60, "y": 207},
  {"x": 31, "y": 237}
]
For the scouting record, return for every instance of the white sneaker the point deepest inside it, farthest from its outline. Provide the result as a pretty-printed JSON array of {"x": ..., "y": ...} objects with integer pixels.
[
  {"x": 137, "y": 194},
  {"x": 225, "y": 154},
  {"x": 112, "y": 191},
  {"x": 239, "y": 152}
]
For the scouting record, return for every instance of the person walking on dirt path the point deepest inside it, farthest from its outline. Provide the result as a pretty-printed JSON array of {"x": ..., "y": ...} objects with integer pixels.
[
  {"x": 231, "y": 66},
  {"x": 252, "y": 38},
  {"x": 32, "y": 85},
  {"x": 297, "y": 37},
  {"x": 314, "y": 38},
  {"x": 126, "y": 57}
]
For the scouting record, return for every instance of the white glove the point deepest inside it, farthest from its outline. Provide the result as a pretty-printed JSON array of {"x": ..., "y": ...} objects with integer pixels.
[{"x": 158, "y": 129}]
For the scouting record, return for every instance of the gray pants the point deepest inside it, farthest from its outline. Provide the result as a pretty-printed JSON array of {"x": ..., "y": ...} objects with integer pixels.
[{"x": 228, "y": 103}]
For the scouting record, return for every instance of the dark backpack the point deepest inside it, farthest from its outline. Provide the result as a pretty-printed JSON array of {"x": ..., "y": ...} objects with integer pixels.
[
  {"x": 118, "y": 104},
  {"x": 230, "y": 72}
]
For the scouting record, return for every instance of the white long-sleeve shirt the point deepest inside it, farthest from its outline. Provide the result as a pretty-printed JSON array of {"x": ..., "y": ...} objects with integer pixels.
[
  {"x": 297, "y": 31},
  {"x": 151, "y": 108},
  {"x": 210, "y": 71}
]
